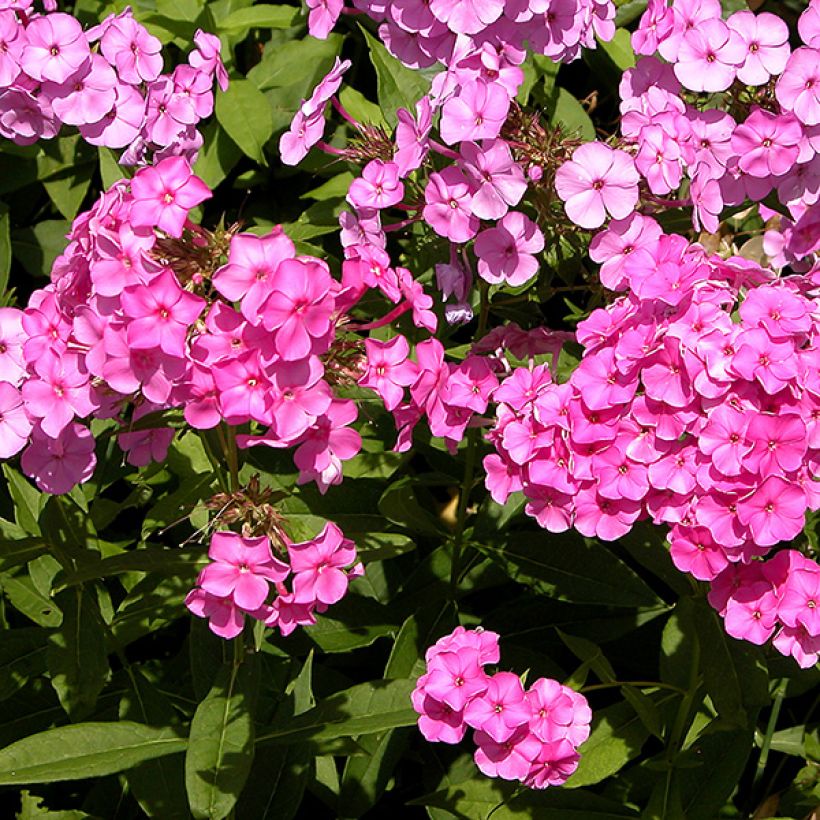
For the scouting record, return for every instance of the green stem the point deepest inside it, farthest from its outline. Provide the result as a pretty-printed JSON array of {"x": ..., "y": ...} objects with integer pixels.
[
  {"x": 779, "y": 695},
  {"x": 463, "y": 503}
]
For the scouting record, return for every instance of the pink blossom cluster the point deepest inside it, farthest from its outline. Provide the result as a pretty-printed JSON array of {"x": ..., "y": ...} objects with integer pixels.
[
  {"x": 421, "y": 34},
  {"x": 695, "y": 404},
  {"x": 245, "y": 578},
  {"x": 531, "y": 735},
  {"x": 777, "y": 598},
  {"x": 107, "y": 81},
  {"x": 131, "y": 325},
  {"x": 676, "y": 137}
]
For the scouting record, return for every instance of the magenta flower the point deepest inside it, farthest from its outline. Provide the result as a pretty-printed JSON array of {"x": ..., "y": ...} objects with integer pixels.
[
  {"x": 510, "y": 759},
  {"x": 477, "y": 112},
  {"x": 438, "y": 723},
  {"x": 304, "y": 132},
  {"x": 86, "y": 100},
  {"x": 323, "y": 16},
  {"x": 58, "y": 464},
  {"x": 501, "y": 709},
  {"x": 767, "y": 143},
  {"x": 134, "y": 52},
  {"x": 164, "y": 193},
  {"x": 225, "y": 618},
  {"x": 800, "y": 601},
  {"x": 597, "y": 180},
  {"x": 388, "y": 369},
  {"x": 411, "y": 136},
  {"x": 449, "y": 205},
  {"x": 241, "y": 569},
  {"x": 774, "y": 512},
  {"x": 161, "y": 313},
  {"x": 378, "y": 187},
  {"x": 467, "y": 16},
  {"x": 123, "y": 122},
  {"x": 709, "y": 56},
  {"x": 206, "y": 57},
  {"x": 798, "y": 87},
  {"x": 456, "y": 677},
  {"x": 318, "y": 566},
  {"x": 766, "y": 38},
  {"x": 299, "y": 307},
  {"x": 506, "y": 252},
  {"x": 169, "y": 113},
  {"x": 56, "y": 48},
  {"x": 15, "y": 426},
  {"x": 498, "y": 179}
]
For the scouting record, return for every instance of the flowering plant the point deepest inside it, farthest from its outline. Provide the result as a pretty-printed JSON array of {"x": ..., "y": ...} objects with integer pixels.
[{"x": 410, "y": 406}]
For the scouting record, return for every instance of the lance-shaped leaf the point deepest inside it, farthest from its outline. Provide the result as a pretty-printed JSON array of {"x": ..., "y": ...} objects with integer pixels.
[
  {"x": 83, "y": 750},
  {"x": 221, "y": 744}
]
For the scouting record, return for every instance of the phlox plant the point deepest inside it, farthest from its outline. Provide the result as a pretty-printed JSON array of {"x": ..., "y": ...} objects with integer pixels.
[{"x": 410, "y": 407}]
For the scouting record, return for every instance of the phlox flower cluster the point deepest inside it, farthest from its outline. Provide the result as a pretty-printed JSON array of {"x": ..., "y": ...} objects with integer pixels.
[
  {"x": 695, "y": 404},
  {"x": 470, "y": 180},
  {"x": 531, "y": 735},
  {"x": 421, "y": 34},
  {"x": 107, "y": 81},
  {"x": 245, "y": 578},
  {"x": 673, "y": 134}
]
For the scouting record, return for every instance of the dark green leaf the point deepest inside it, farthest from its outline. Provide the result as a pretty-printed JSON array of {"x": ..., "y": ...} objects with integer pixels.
[
  {"x": 84, "y": 750},
  {"x": 22, "y": 655},
  {"x": 77, "y": 657},
  {"x": 220, "y": 751},
  {"x": 259, "y": 16}
]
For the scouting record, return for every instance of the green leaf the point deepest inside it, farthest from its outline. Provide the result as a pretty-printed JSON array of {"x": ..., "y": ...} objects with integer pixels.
[
  {"x": 352, "y": 623},
  {"x": 27, "y": 500},
  {"x": 36, "y": 248},
  {"x": 617, "y": 737},
  {"x": 619, "y": 49},
  {"x": 570, "y": 568},
  {"x": 217, "y": 157},
  {"x": 5, "y": 248},
  {"x": 220, "y": 751},
  {"x": 84, "y": 750},
  {"x": 158, "y": 785},
  {"x": 77, "y": 657},
  {"x": 360, "y": 108},
  {"x": 245, "y": 114},
  {"x": 360, "y": 710},
  {"x": 14, "y": 552},
  {"x": 398, "y": 86},
  {"x": 65, "y": 167},
  {"x": 260, "y": 16},
  {"x": 570, "y": 114},
  {"x": 22, "y": 656},
  {"x": 400, "y": 505},
  {"x": 110, "y": 169},
  {"x": 177, "y": 506},
  {"x": 25, "y": 598}
]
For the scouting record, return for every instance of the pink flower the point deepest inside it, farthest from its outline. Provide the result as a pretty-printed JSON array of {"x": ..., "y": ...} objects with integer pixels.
[
  {"x": 388, "y": 369},
  {"x": 120, "y": 126},
  {"x": 709, "y": 56},
  {"x": 323, "y": 16},
  {"x": 499, "y": 181},
  {"x": 134, "y": 52},
  {"x": 766, "y": 38},
  {"x": 318, "y": 566},
  {"x": 15, "y": 426},
  {"x": 774, "y": 512},
  {"x": 505, "y": 252},
  {"x": 304, "y": 132},
  {"x": 58, "y": 464},
  {"x": 597, "y": 180},
  {"x": 767, "y": 143},
  {"x": 225, "y": 618},
  {"x": 206, "y": 57},
  {"x": 163, "y": 194},
  {"x": 476, "y": 112},
  {"x": 798, "y": 87},
  {"x": 378, "y": 187},
  {"x": 467, "y": 16},
  {"x": 456, "y": 677},
  {"x": 500, "y": 709},
  {"x": 449, "y": 205},
  {"x": 56, "y": 48},
  {"x": 751, "y": 613},
  {"x": 510, "y": 759},
  {"x": 241, "y": 569}
]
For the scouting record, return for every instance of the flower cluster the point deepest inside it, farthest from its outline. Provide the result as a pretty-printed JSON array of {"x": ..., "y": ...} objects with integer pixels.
[
  {"x": 779, "y": 597},
  {"x": 766, "y": 143},
  {"x": 695, "y": 404},
  {"x": 531, "y": 735},
  {"x": 106, "y": 81},
  {"x": 238, "y": 581}
]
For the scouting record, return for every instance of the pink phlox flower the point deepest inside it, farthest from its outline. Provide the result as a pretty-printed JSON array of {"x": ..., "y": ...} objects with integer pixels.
[
  {"x": 123, "y": 122},
  {"x": 469, "y": 16},
  {"x": 225, "y": 618},
  {"x": 304, "y": 132},
  {"x": 619, "y": 477},
  {"x": 378, "y": 187},
  {"x": 389, "y": 370},
  {"x": 160, "y": 314},
  {"x": 206, "y": 57},
  {"x": 482, "y": 640},
  {"x": 476, "y": 112},
  {"x": 659, "y": 159},
  {"x": 230, "y": 334},
  {"x": 299, "y": 307},
  {"x": 12, "y": 339},
  {"x": 506, "y": 252},
  {"x": 412, "y": 135},
  {"x": 318, "y": 566},
  {"x": 322, "y": 16},
  {"x": 604, "y": 518},
  {"x": 163, "y": 194},
  {"x": 85, "y": 99},
  {"x": 326, "y": 88},
  {"x": 146, "y": 446},
  {"x": 242, "y": 569},
  {"x": 808, "y": 25},
  {"x": 15, "y": 425},
  {"x": 798, "y": 87},
  {"x": 612, "y": 246},
  {"x": 686, "y": 16},
  {"x": 134, "y": 52},
  {"x": 558, "y": 712},
  {"x": 759, "y": 358},
  {"x": 774, "y": 512},
  {"x": 500, "y": 709},
  {"x": 199, "y": 399},
  {"x": 448, "y": 209},
  {"x": 800, "y": 599},
  {"x": 502, "y": 477},
  {"x": 523, "y": 387},
  {"x": 596, "y": 181},
  {"x": 779, "y": 311},
  {"x": 197, "y": 87},
  {"x": 767, "y": 143},
  {"x": 249, "y": 274},
  {"x": 723, "y": 439},
  {"x": 59, "y": 463},
  {"x": 799, "y": 644},
  {"x": 693, "y": 550},
  {"x": 168, "y": 112},
  {"x": 438, "y": 722},
  {"x": 766, "y": 38},
  {"x": 244, "y": 389},
  {"x": 665, "y": 377},
  {"x": 299, "y": 396},
  {"x": 499, "y": 180},
  {"x": 470, "y": 385},
  {"x": 601, "y": 384},
  {"x": 510, "y": 759},
  {"x": 779, "y": 443},
  {"x": 709, "y": 56},
  {"x": 456, "y": 677},
  {"x": 12, "y": 41},
  {"x": 420, "y": 302},
  {"x": 654, "y": 27},
  {"x": 751, "y": 613},
  {"x": 55, "y": 49}
]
